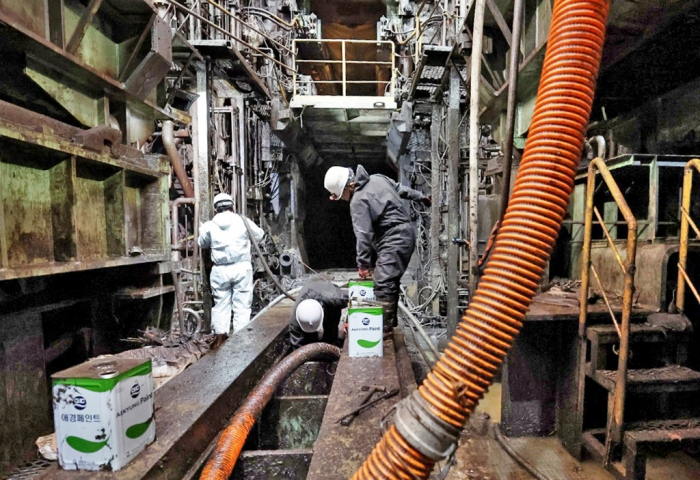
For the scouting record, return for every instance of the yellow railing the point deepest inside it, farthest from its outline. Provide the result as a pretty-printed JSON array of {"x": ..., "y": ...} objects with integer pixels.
[
  {"x": 686, "y": 221},
  {"x": 616, "y": 417},
  {"x": 345, "y": 64}
]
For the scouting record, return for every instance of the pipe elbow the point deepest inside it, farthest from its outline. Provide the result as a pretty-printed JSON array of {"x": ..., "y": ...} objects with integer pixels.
[{"x": 168, "y": 137}]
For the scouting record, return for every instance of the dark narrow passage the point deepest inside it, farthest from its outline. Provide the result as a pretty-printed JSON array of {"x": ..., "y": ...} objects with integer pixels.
[{"x": 329, "y": 237}]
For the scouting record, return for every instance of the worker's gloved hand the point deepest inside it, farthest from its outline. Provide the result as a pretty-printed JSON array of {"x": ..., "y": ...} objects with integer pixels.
[
  {"x": 364, "y": 272},
  {"x": 427, "y": 201}
]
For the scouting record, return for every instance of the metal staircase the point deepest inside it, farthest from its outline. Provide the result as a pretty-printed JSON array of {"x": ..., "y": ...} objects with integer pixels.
[{"x": 641, "y": 364}]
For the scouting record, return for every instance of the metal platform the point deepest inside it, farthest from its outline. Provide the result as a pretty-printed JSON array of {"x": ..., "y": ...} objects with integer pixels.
[{"x": 339, "y": 451}]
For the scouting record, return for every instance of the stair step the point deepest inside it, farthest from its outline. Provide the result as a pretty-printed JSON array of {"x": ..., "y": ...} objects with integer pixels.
[
  {"x": 639, "y": 439},
  {"x": 657, "y": 431},
  {"x": 659, "y": 328},
  {"x": 674, "y": 378}
]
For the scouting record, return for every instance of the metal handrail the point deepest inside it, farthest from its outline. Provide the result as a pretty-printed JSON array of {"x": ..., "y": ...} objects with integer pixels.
[
  {"x": 616, "y": 417},
  {"x": 229, "y": 34},
  {"x": 344, "y": 62},
  {"x": 686, "y": 221}
]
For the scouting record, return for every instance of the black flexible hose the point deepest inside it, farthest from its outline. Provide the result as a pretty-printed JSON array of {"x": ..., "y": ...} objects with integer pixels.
[
  {"x": 262, "y": 259},
  {"x": 515, "y": 455}
]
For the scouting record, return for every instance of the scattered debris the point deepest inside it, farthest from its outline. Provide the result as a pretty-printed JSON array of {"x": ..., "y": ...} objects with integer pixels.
[{"x": 47, "y": 447}]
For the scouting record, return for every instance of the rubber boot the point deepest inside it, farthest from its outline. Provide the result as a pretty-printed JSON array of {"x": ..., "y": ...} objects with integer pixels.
[
  {"x": 389, "y": 312},
  {"x": 219, "y": 340},
  {"x": 395, "y": 312},
  {"x": 390, "y": 317}
]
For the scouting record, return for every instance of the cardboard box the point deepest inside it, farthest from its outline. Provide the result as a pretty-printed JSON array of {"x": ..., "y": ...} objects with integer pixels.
[
  {"x": 361, "y": 291},
  {"x": 103, "y": 413},
  {"x": 365, "y": 332}
]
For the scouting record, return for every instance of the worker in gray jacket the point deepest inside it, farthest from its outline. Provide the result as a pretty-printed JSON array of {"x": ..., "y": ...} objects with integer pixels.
[
  {"x": 382, "y": 222},
  {"x": 316, "y": 314}
]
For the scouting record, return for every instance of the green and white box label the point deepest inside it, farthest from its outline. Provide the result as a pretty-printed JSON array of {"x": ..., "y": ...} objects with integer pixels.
[
  {"x": 361, "y": 291},
  {"x": 102, "y": 423},
  {"x": 365, "y": 332}
]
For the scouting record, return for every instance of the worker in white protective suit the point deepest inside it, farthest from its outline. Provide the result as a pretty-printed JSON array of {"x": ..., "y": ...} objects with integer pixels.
[{"x": 231, "y": 276}]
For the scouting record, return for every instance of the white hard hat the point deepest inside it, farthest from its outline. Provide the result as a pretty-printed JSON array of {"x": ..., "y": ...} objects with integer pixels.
[
  {"x": 222, "y": 197},
  {"x": 336, "y": 179},
  {"x": 310, "y": 315}
]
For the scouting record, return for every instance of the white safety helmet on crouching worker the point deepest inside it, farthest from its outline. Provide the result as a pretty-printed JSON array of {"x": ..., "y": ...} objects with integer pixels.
[
  {"x": 223, "y": 200},
  {"x": 310, "y": 315},
  {"x": 336, "y": 180}
]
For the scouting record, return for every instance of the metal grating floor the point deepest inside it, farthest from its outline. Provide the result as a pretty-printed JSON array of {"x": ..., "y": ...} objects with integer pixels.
[{"x": 30, "y": 470}]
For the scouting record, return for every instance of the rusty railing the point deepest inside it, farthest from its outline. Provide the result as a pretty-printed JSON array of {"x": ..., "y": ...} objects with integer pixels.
[
  {"x": 345, "y": 64},
  {"x": 686, "y": 221},
  {"x": 615, "y": 422}
]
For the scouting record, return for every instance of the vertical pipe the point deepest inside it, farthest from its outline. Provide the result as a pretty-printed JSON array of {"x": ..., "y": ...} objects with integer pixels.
[
  {"x": 435, "y": 182},
  {"x": 345, "y": 73},
  {"x": 294, "y": 69},
  {"x": 190, "y": 28},
  {"x": 477, "y": 39},
  {"x": 195, "y": 253},
  {"x": 167, "y": 135},
  {"x": 586, "y": 258},
  {"x": 393, "y": 70},
  {"x": 453, "y": 230},
  {"x": 512, "y": 102},
  {"x": 242, "y": 153}
]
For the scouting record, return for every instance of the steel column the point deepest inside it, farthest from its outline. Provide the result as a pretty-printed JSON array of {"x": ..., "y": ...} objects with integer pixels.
[
  {"x": 435, "y": 183},
  {"x": 477, "y": 43},
  {"x": 453, "y": 230}
]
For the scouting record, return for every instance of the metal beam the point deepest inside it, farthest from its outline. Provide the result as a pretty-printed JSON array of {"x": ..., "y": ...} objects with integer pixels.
[
  {"x": 453, "y": 230},
  {"x": 498, "y": 16},
  {"x": 17, "y": 36},
  {"x": 510, "y": 111},
  {"x": 179, "y": 77},
  {"x": 56, "y": 25},
  {"x": 142, "y": 38},
  {"x": 83, "y": 24}
]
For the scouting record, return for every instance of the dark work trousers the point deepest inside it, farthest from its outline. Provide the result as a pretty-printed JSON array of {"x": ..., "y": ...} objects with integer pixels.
[{"x": 394, "y": 250}]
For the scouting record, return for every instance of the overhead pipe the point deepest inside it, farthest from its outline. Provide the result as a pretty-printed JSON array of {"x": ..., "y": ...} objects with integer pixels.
[
  {"x": 168, "y": 137},
  {"x": 224, "y": 457},
  {"x": 428, "y": 423}
]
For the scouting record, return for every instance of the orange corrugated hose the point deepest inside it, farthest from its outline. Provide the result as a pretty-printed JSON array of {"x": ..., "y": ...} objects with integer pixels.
[
  {"x": 540, "y": 198},
  {"x": 222, "y": 460}
]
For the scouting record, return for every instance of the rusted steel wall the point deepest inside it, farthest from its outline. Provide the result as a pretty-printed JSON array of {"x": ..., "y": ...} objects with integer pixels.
[
  {"x": 30, "y": 13},
  {"x": 652, "y": 274}
]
